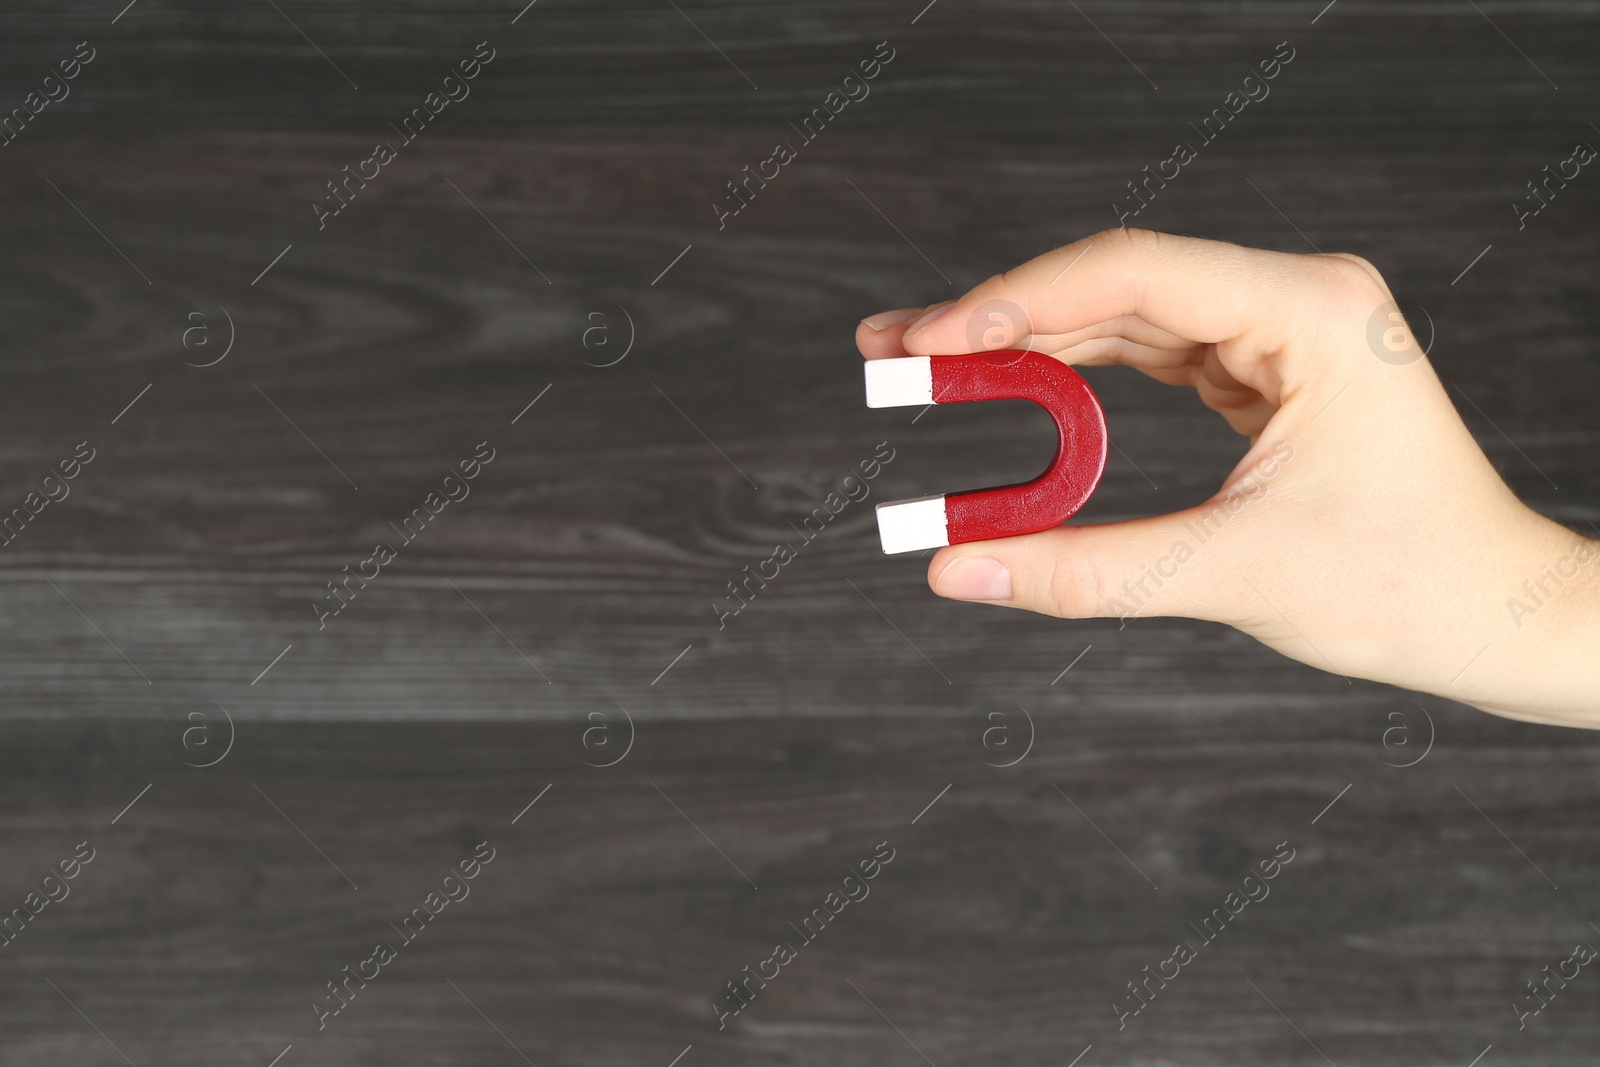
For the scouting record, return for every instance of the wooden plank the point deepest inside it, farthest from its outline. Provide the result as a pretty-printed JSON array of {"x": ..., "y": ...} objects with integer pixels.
[
  {"x": 1003, "y": 929},
  {"x": 580, "y": 575}
]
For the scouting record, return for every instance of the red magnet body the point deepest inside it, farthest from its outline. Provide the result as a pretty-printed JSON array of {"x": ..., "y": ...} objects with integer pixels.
[{"x": 1003, "y": 511}]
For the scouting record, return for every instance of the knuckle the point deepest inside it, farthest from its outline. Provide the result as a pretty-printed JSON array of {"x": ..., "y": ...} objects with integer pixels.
[
  {"x": 1125, "y": 239},
  {"x": 1356, "y": 278},
  {"x": 1005, "y": 281}
]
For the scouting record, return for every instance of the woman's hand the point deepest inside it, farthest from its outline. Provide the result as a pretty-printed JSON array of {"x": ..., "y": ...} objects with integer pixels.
[{"x": 1364, "y": 532}]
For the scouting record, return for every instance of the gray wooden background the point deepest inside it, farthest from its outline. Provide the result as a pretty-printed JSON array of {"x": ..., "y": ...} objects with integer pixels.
[{"x": 561, "y": 616}]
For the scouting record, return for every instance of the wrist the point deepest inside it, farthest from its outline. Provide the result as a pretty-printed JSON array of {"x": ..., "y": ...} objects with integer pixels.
[{"x": 1542, "y": 663}]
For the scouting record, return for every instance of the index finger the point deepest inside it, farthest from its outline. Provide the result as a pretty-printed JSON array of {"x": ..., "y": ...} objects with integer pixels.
[{"x": 1208, "y": 292}]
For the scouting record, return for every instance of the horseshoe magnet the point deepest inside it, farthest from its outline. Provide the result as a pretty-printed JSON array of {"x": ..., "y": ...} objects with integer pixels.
[{"x": 1002, "y": 511}]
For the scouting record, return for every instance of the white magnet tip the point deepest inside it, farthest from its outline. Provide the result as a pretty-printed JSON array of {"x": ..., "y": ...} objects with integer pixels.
[
  {"x": 899, "y": 383},
  {"x": 912, "y": 525}
]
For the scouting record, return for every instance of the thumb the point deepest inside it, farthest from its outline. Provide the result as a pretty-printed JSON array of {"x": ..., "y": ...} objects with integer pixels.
[{"x": 1163, "y": 565}]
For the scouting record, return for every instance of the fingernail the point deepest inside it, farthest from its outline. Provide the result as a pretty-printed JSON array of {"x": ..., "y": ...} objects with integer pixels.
[
  {"x": 885, "y": 319},
  {"x": 930, "y": 316},
  {"x": 975, "y": 578}
]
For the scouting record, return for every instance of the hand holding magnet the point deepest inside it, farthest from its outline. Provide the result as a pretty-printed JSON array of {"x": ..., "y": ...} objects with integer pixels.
[{"x": 1003, "y": 511}]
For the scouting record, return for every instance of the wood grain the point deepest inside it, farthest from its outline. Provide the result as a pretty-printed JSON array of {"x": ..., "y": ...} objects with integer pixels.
[
  {"x": 580, "y": 574},
  {"x": 1003, "y": 929}
]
